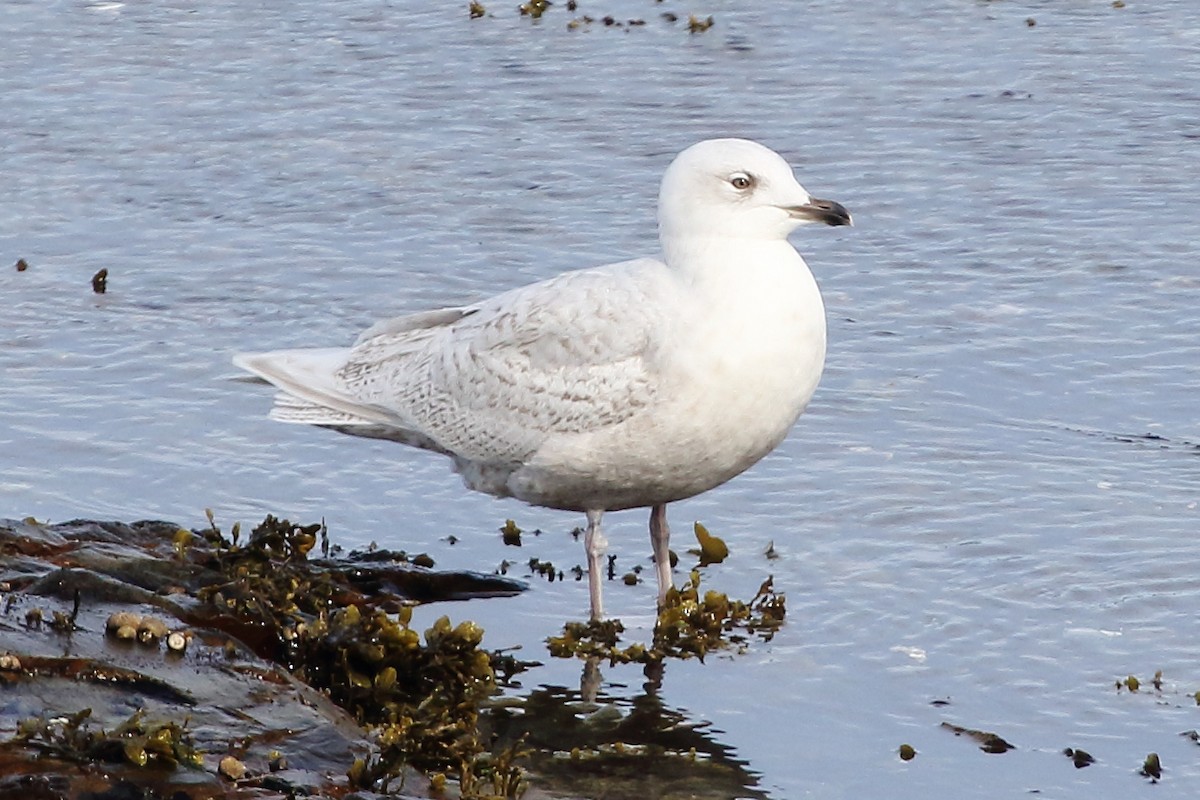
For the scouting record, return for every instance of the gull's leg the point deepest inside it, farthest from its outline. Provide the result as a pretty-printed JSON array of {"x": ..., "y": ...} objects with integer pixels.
[
  {"x": 596, "y": 545},
  {"x": 660, "y": 538},
  {"x": 591, "y": 680}
]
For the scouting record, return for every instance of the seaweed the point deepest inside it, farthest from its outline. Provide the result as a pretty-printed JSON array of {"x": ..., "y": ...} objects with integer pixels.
[{"x": 689, "y": 625}]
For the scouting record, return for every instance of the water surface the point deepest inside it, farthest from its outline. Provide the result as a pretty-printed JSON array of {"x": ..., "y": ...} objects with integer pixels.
[{"x": 993, "y": 497}]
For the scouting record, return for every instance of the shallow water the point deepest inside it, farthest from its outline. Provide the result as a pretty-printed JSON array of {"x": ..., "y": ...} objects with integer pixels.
[{"x": 971, "y": 509}]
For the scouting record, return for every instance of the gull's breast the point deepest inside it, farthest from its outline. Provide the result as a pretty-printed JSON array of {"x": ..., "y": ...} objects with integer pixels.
[{"x": 736, "y": 370}]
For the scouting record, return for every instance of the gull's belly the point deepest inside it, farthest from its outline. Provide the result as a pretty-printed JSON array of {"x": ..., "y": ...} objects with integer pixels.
[{"x": 714, "y": 420}]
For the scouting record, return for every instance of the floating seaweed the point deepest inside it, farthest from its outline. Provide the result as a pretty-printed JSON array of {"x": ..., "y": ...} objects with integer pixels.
[
  {"x": 713, "y": 549},
  {"x": 1152, "y": 768},
  {"x": 689, "y": 625},
  {"x": 534, "y": 8},
  {"x": 511, "y": 533}
]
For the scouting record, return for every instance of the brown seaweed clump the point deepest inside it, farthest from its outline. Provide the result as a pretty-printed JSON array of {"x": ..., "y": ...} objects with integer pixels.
[
  {"x": 186, "y": 625},
  {"x": 421, "y": 697},
  {"x": 271, "y": 592},
  {"x": 689, "y": 625},
  {"x": 135, "y": 741}
]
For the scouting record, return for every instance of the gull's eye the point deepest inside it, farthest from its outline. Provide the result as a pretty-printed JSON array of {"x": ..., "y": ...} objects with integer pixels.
[{"x": 741, "y": 181}]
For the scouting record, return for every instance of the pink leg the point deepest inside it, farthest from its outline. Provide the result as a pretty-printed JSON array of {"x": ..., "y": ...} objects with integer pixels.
[
  {"x": 596, "y": 545},
  {"x": 660, "y": 538}
]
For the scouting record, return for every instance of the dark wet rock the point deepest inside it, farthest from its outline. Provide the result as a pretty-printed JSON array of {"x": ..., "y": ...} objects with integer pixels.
[
  {"x": 295, "y": 677},
  {"x": 225, "y": 701}
]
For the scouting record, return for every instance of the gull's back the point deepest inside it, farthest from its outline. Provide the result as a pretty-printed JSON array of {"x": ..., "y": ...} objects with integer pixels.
[{"x": 487, "y": 383}]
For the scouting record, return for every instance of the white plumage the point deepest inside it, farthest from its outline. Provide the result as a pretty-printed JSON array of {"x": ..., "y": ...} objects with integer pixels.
[{"x": 631, "y": 384}]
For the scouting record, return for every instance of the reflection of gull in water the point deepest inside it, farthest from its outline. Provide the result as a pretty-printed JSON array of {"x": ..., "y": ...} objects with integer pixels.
[{"x": 628, "y": 385}]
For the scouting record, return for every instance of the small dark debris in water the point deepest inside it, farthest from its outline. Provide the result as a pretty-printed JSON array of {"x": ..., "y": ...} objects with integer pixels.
[
  {"x": 1152, "y": 768},
  {"x": 572, "y": 5},
  {"x": 697, "y": 25},
  {"x": 1158, "y": 680},
  {"x": 22, "y": 265},
  {"x": 1030, "y": 21},
  {"x": 422, "y": 560},
  {"x": 1162, "y": 442},
  {"x": 452, "y": 540},
  {"x": 1193, "y": 735},
  {"x": 1131, "y": 683},
  {"x": 907, "y": 752},
  {"x": 476, "y": 9},
  {"x": 630, "y": 579},
  {"x": 770, "y": 552},
  {"x": 544, "y": 569},
  {"x": 988, "y": 741},
  {"x": 1118, "y": 4},
  {"x": 100, "y": 282},
  {"x": 511, "y": 533},
  {"x": 940, "y": 702},
  {"x": 612, "y": 567},
  {"x": 1080, "y": 758},
  {"x": 670, "y": 17}
]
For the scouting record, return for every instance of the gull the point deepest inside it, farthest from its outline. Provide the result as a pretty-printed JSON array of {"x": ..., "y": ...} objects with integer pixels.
[{"x": 629, "y": 385}]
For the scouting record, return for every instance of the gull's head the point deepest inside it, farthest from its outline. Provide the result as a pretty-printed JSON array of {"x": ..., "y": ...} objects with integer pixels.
[{"x": 738, "y": 189}]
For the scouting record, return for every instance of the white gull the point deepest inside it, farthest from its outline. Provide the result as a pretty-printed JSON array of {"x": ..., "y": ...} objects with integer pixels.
[{"x": 628, "y": 385}]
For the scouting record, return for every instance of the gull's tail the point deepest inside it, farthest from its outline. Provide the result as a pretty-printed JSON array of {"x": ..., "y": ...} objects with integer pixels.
[{"x": 308, "y": 388}]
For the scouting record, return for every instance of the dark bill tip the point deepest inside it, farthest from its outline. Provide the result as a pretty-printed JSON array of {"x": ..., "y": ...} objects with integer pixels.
[{"x": 828, "y": 211}]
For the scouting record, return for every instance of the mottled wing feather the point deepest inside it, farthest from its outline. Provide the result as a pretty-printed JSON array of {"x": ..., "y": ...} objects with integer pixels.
[{"x": 493, "y": 383}]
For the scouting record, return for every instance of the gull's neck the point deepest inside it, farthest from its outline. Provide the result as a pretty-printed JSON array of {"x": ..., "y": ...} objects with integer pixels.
[{"x": 702, "y": 258}]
